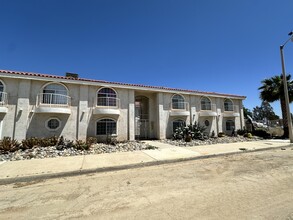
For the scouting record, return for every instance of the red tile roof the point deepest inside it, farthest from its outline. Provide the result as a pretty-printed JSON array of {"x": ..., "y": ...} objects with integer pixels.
[{"x": 117, "y": 83}]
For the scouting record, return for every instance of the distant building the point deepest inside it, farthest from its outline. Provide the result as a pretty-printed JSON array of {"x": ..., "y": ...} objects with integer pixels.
[{"x": 39, "y": 105}]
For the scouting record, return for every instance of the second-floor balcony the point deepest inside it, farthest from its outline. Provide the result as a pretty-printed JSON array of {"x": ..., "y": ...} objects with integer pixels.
[
  {"x": 3, "y": 102},
  {"x": 107, "y": 106},
  {"x": 231, "y": 111},
  {"x": 53, "y": 103},
  {"x": 179, "y": 109},
  {"x": 208, "y": 110}
]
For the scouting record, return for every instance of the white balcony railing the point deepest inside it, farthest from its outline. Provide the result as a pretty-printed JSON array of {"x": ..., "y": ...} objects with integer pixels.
[
  {"x": 107, "y": 106},
  {"x": 3, "y": 98},
  {"x": 231, "y": 108},
  {"x": 231, "y": 111},
  {"x": 208, "y": 107},
  {"x": 179, "y": 109},
  {"x": 108, "y": 102},
  {"x": 180, "y": 106},
  {"x": 53, "y": 100}
]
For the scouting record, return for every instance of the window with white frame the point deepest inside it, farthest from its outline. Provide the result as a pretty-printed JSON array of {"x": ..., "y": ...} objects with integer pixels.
[
  {"x": 1, "y": 87},
  {"x": 106, "y": 127},
  {"x": 178, "y": 123},
  {"x": 2, "y": 94},
  {"x": 54, "y": 94},
  {"x": 205, "y": 104},
  {"x": 178, "y": 102},
  {"x": 107, "y": 97},
  {"x": 230, "y": 125},
  {"x": 228, "y": 105},
  {"x": 53, "y": 124}
]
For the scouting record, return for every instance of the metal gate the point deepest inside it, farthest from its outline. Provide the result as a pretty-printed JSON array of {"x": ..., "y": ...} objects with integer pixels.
[
  {"x": 141, "y": 117},
  {"x": 141, "y": 129}
]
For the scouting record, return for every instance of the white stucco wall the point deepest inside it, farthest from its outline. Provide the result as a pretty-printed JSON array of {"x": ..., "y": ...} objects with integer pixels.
[{"x": 22, "y": 121}]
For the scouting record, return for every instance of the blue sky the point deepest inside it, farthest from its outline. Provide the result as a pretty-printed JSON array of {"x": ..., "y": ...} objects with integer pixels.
[{"x": 225, "y": 46}]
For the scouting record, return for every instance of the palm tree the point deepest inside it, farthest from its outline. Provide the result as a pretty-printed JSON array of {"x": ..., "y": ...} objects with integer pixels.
[{"x": 272, "y": 89}]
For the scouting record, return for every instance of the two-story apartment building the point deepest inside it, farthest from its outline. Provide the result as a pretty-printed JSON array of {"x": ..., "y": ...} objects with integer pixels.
[{"x": 39, "y": 105}]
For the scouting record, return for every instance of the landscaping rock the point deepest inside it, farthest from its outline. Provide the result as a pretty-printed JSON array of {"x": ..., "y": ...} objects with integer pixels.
[
  {"x": 61, "y": 151},
  {"x": 217, "y": 140}
]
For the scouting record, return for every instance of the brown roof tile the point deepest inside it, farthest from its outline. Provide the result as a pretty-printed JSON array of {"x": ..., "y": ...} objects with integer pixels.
[{"x": 117, "y": 83}]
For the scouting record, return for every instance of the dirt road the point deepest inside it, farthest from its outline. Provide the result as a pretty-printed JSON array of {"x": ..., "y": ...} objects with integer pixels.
[{"x": 248, "y": 186}]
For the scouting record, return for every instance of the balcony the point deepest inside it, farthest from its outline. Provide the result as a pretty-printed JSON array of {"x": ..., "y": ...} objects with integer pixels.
[
  {"x": 53, "y": 103},
  {"x": 107, "y": 106},
  {"x": 208, "y": 110},
  {"x": 179, "y": 109},
  {"x": 231, "y": 111},
  {"x": 3, "y": 102}
]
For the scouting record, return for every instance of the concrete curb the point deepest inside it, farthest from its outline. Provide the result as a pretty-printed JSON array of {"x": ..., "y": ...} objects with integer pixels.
[{"x": 124, "y": 167}]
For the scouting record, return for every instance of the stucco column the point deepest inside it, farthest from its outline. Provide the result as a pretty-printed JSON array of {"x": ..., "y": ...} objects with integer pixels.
[
  {"x": 219, "y": 121},
  {"x": 131, "y": 115},
  {"x": 22, "y": 110},
  {"x": 82, "y": 123},
  {"x": 242, "y": 121},
  {"x": 194, "y": 115},
  {"x": 161, "y": 122}
]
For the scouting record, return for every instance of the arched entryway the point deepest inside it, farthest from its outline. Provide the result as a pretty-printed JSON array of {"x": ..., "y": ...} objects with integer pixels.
[{"x": 141, "y": 117}]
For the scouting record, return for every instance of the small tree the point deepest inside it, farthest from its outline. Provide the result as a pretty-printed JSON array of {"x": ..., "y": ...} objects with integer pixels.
[
  {"x": 272, "y": 89},
  {"x": 246, "y": 112},
  {"x": 189, "y": 132},
  {"x": 265, "y": 111}
]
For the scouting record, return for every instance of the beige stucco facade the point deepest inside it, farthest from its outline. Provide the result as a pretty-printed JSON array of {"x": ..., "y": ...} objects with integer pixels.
[{"x": 36, "y": 105}]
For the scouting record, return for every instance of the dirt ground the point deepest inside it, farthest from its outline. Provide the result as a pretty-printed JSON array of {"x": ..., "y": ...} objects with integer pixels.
[{"x": 255, "y": 185}]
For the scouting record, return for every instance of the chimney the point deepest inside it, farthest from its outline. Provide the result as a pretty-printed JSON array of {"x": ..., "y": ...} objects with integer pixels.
[{"x": 72, "y": 75}]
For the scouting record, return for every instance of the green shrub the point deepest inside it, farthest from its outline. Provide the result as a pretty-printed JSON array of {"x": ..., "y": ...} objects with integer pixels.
[
  {"x": 111, "y": 140},
  {"x": 190, "y": 132},
  {"x": 47, "y": 142},
  {"x": 9, "y": 145},
  {"x": 178, "y": 134},
  {"x": 221, "y": 134},
  {"x": 81, "y": 145},
  {"x": 150, "y": 147},
  {"x": 69, "y": 144},
  {"x": 61, "y": 141},
  {"x": 247, "y": 135},
  {"x": 91, "y": 140},
  {"x": 198, "y": 131},
  {"x": 29, "y": 143},
  {"x": 241, "y": 131},
  {"x": 52, "y": 141},
  {"x": 262, "y": 133}
]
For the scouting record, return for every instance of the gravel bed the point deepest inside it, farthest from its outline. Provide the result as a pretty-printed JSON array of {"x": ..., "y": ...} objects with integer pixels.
[
  {"x": 221, "y": 140},
  {"x": 49, "y": 152}
]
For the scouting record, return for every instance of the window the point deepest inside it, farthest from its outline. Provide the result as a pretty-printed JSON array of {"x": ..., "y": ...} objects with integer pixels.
[
  {"x": 178, "y": 102},
  {"x": 1, "y": 87},
  {"x": 228, "y": 105},
  {"x": 106, "y": 126},
  {"x": 206, "y": 104},
  {"x": 107, "y": 97},
  {"x": 230, "y": 125},
  {"x": 53, "y": 124},
  {"x": 177, "y": 124},
  {"x": 55, "y": 94},
  {"x": 2, "y": 94}
]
